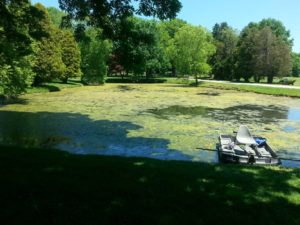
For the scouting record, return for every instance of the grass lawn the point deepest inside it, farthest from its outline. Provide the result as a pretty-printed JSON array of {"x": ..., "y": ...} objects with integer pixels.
[
  {"x": 54, "y": 86},
  {"x": 259, "y": 90},
  {"x": 53, "y": 187},
  {"x": 297, "y": 83}
]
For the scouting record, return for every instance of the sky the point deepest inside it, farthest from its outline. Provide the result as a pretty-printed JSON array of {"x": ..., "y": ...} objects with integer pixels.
[{"x": 237, "y": 13}]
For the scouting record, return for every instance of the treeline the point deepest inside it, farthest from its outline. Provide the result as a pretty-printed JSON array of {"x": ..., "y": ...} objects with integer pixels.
[
  {"x": 39, "y": 45},
  {"x": 35, "y": 48}
]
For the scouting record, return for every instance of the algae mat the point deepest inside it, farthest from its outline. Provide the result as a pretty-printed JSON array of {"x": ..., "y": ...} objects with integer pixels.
[{"x": 163, "y": 121}]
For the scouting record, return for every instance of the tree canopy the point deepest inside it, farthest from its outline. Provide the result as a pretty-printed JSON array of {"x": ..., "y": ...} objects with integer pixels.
[
  {"x": 262, "y": 53},
  {"x": 223, "y": 61},
  {"x": 105, "y": 14},
  {"x": 193, "y": 46}
]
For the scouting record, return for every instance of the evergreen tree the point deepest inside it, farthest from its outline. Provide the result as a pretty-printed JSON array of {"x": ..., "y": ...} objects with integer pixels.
[
  {"x": 70, "y": 56},
  {"x": 48, "y": 62},
  {"x": 272, "y": 55}
]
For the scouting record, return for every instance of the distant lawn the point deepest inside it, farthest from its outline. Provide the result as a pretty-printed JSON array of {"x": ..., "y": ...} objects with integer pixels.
[
  {"x": 255, "y": 89},
  {"x": 297, "y": 83},
  {"x": 54, "y": 86},
  {"x": 53, "y": 187}
]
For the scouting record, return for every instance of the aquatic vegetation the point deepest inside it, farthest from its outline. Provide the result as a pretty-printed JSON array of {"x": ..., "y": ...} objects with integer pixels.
[{"x": 165, "y": 121}]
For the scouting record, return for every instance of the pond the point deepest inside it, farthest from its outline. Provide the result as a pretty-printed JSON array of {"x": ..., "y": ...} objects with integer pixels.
[{"x": 161, "y": 121}]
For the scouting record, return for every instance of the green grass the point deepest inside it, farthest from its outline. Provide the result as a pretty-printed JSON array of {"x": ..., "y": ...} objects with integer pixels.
[
  {"x": 255, "y": 89},
  {"x": 53, "y": 187},
  {"x": 51, "y": 86},
  {"x": 54, "y": 86}
]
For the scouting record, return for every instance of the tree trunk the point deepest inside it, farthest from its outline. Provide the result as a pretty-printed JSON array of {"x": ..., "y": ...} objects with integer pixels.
[
  {"x": 65, "y": 80},
  {"x": 148, "y": 74},
  {"x": 36, "y": 81},
  {"x": 257, "y": 78},
  {"x": 270, "y": 79},
  {"x": 196, "y": 78},
  {"x": 173, "y": 71}
]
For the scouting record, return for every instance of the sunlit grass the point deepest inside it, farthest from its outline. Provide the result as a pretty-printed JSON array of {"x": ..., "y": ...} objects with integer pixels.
[{"x": 255, "y": 89}]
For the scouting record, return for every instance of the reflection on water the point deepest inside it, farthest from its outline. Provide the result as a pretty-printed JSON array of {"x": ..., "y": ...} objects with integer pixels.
[
  {"x": 289, "y": 129},
  {"x": 291, "y": 164},
  {"x": 294, "y": 114}
]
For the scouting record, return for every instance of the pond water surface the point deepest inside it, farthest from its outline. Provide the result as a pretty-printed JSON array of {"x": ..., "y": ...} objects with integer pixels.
[{"x": 159, "y": 121}]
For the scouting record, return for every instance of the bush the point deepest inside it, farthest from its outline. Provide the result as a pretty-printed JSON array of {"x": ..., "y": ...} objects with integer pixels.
[{"x": 15, "y": 78}]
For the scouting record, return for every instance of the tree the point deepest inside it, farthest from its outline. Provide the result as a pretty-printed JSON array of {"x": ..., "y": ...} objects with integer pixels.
[
  {"x": 218, "y": 29},
  {"x": 48, "y": 62},
  {"x": 278, "y": 29},
  {"x": 167, "y": 30},
  {"x": 106, "y": 14},
  {"x": 271, "y": 54},
  {"x": 193, "y": 47},
  {"x": 95, "y": 52},
  {"x": 56, "y": 16},
  {"x": 225, "y": 40},
  {"x": 16, "y": 45},
  {"x": 261, "y": 53},
  {"x": 137, "y": 48},
  {"x": 296, "y": 65},
  {"x": 245, "y": 53},
  {"x": 70, "y": 56}
]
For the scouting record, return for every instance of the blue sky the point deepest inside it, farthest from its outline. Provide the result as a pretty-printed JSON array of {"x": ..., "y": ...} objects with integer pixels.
[{"x": 238, "y": 13}]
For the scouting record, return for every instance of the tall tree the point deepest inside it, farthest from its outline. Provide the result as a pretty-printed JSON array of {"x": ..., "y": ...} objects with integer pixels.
[
  {"x": 48, "y": 63},
  {"x": 95, "y": 52},
  {"x": 272, "y": 55},
  {"x": 225, "y": 40},
  {"x": 137, "y": 48},
  {"x": 168, "y": 29},
  {"x": 194, "y": 45},
  {"x": 262, "y": 54},
  {"x": 17, "y": 30},
  {"x": 70, "y": 56},
  {"x": 245, "y": 53}
]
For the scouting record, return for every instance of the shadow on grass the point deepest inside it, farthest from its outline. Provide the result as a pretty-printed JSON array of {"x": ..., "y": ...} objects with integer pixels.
[
  {"x": 74, "y": 82},
  {"x": 185, "y": 85},
  {"x": 135, "y": 80},
  {"x": 50, "y": 88},
  {"x": 8, "y": 101},
  {"x": 53, "y": 187}
]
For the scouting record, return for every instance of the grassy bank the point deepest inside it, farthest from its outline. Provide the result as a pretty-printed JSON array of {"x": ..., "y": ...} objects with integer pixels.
[
  {"x": 256, "y": 89},
  {"x": 54, "y": 86},
  {"x": 53, "y": 187}
]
